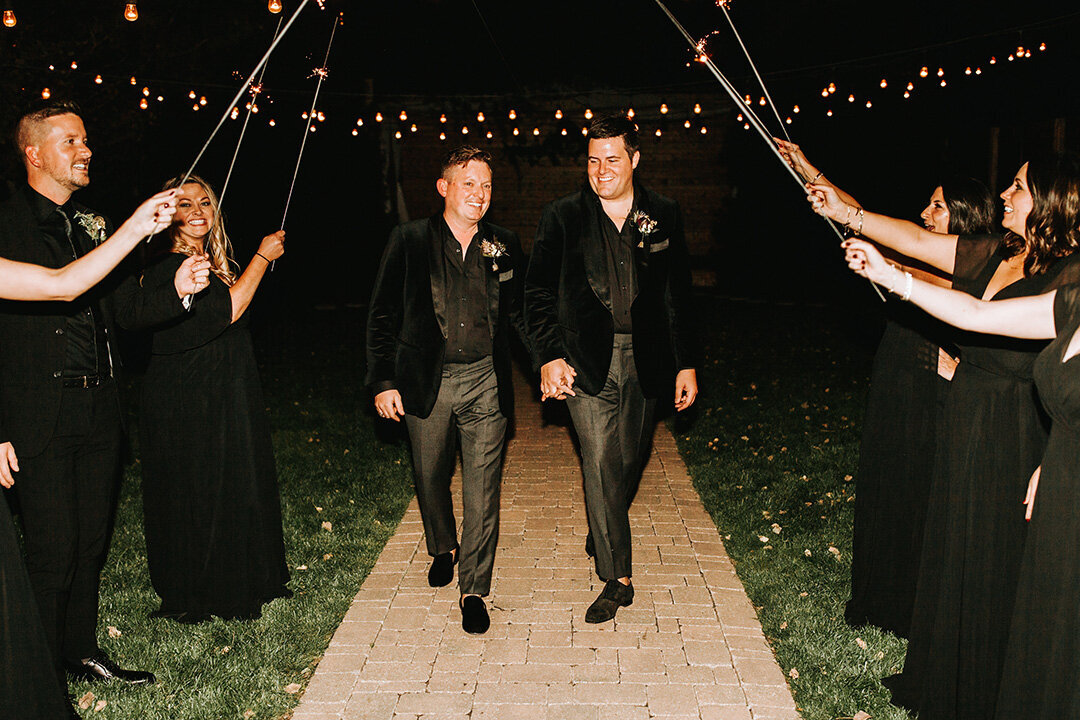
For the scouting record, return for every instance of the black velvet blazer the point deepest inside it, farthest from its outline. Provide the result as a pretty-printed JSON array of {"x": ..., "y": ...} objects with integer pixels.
[
  {"x": 32, "y": 334},
  {"x": 568, "y": 298},
  {"x": 406, "y": 329}
]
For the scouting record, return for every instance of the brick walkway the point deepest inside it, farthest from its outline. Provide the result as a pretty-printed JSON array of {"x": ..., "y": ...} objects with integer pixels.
[{"x": 690, "y": 647}]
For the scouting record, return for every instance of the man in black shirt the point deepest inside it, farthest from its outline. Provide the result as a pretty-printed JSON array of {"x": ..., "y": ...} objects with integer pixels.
[
  {"x": 446, "y": 297},
  {"x": 606, "y": 302},
  {"x": 58, "y": 401}
]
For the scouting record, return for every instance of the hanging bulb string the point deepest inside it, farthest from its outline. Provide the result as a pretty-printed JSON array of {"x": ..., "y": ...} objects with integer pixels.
[
  {"x": 757, "y": 124},
  {"x": 255, "y": 90},
  {"x": 322, "y": 72},
  {"x": 753, "y": 66}
]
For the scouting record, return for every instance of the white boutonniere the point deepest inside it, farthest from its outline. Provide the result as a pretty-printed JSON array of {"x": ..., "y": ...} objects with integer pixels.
[
  {"x": 493, "y": 249},
  {"x": 94, "y": 225},
  {"x": 644, "y": 224}
]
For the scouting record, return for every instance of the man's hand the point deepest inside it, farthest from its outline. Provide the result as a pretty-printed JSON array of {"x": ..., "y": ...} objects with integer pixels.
[
  {"x": 192, "y": 276},
  {"x": 685, "y": 388},
  {"x": 388, "y": 405},
  {"x": 556, "y": 380},
  {"x": 8, "y": 464}
]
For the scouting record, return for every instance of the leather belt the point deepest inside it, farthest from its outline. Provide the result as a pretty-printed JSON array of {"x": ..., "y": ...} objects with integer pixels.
[{"x": 85, "y": 381}]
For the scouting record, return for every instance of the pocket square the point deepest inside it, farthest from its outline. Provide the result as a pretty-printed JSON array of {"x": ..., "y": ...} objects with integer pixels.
[
  {"x": 657, "y": 247},
  {"x": 508, "y": 275}
]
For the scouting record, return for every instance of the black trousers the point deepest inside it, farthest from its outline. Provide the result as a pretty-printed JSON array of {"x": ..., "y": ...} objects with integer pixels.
[
  {"x": 67, "y": 494},
  {"x": 466, "y": 410},
  {"x": 614, "y": 429}
]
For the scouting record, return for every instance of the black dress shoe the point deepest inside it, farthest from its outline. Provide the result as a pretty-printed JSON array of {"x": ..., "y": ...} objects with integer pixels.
[
  {"x": 100, "y": 667},
  {"x": 441, "y": 571},
  {"x": 614, "y": 596},
  {"x": 474, "y": 615},
  {"x": 590, "y": 545}
]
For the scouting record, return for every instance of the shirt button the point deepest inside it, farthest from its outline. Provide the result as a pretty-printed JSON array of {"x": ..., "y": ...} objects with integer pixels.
[
  {"x": 462, "y": 324},
  {"x": 57, "y": 374},
  {"x": 59, "y": 331}
]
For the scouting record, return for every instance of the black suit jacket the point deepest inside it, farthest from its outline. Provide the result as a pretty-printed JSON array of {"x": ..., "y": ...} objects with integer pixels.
[
  {"x": 406, "y": 330},
  {"x": 568, "y": 299},
  {"x": 33, "y": 334}
]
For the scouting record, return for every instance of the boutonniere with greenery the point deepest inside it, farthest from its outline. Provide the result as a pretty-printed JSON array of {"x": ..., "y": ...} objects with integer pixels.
[
  {"x": 493, "y": 249},
  {"x": 644, "y": 224},
  {"x": 94, "y": 225}
]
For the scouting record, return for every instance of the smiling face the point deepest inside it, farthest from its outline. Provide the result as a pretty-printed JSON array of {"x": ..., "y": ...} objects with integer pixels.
[
  {"x": 467, "y": 193},
  {"x": 194, "y": 216},
  {"x": 611, "y": 168},
  {"x": 1018, "y": 203},
  {"x": 936, "y": 215},
  {"x": 58, "y": 158}
]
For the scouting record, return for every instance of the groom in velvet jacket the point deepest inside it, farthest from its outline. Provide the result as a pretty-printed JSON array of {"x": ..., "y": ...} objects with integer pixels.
[
  {"x": 606, "y": 301},
  {"x": 447, "y": 296}
]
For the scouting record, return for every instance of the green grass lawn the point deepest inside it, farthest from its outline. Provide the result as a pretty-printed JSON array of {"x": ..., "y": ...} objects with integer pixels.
[
  {"x": 772, "y": 449},
  {"x": 771, "y": 446},
  {"x": 332, "y": 469}
]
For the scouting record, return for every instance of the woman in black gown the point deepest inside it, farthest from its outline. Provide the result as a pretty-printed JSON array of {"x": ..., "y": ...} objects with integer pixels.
[
  {"x": 29, "y": 688},
  {"x": 211, "y": 509},
  {"x": 1041, "y": 678},
  {"x": 993, "y": 436},
  {"x": 910, "y": 374}
]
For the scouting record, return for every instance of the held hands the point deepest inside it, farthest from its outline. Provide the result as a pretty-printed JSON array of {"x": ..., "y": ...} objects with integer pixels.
[
  {"x": 556, "y": 380},
  {"x": 1033, "y": 487},
  {"x": 685, "y": 389},
  {"x": 273, "y": 246},
  {"x": 192, "y": 276},
  {"x": 827, "y": 203},
  {"x": 793, "y": 154},
  {"x": 154, "y": 215},
  {"x": 388, "y": 405},
  {"x": 8, "y": 464}
]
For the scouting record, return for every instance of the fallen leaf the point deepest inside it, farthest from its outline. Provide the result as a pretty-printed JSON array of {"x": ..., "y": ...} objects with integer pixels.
[
  {"x": 776, "y": 528},
  {"x": 847, "y": 478},
  {"x": 86, "y": 701},
  {"x": 100, "y": 705},
  {"x": 225, "y": 649},
  {"x": 327, "y": 556},
  {"x": 292, "y": 688},
  {"x": 861, "y": 643},
  {"x": 318, "y": 509},
  {"x": 803, "y": 594},
  {"x": 251, "y": 713},
  {"x": 327, "y": 525},
  {"x": 783, "y": 625},
  {"x": 807, "y": 553},
  {"x": 880, "y": 655},
  {"x": 793, "y": 674},
  {"x": 763, "y": 539},
  {"x": 301, "y": 567},
  {"x": 114, "y": 632},
  {"x": 862, "y": 715}
]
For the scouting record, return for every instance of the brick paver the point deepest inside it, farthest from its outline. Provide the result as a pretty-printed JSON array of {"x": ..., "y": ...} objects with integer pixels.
[{"x": 690, "y": 647}]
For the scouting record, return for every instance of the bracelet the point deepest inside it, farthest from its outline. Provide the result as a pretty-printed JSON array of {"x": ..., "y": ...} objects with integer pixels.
[
  {"x": 847, "y": 217},
  {"x": 263, "y": 257},
  {"x": 820, "y": 173},
  {"x": 908, "y": 285},
  {"x": 862, "y": 216}
]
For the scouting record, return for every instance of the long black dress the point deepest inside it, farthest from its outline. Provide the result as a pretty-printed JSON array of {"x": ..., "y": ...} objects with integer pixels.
[
  {"x": 993, "y": 433},
  {"x": 896, "y": 457},
  {"x": 1041, "y": 679},
  {"x": 210, "y": 500},
  {"x": 29, "y": 687}
]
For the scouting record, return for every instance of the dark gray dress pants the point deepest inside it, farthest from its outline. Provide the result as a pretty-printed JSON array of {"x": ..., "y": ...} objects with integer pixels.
[
  {"x": 466, "y": 410},
  {"x": 614, "y": 428}
]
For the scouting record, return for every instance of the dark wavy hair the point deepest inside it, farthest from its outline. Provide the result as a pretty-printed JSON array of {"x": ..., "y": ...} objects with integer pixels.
[
  {"x": 462, "y": 156},
  {"x": 972, "y": 207},
  {"x": 615, "y": 125},
  {"x": 1052, "y": 230}
]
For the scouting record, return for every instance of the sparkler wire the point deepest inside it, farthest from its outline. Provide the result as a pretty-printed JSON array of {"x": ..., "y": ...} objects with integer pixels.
[
  {"x": 757, "y": 124},
  {"x": 783, "y": 129}
]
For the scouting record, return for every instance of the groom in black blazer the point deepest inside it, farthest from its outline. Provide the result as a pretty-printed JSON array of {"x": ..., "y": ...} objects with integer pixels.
[
  {"x": 607, "y": 305},
  {"x": 447, "y": 296}
]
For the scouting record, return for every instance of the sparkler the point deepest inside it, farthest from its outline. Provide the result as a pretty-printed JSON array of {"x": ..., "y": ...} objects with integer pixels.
[
  {"x": 755, "y": 121},
  {"x": 723, "y": 6}
]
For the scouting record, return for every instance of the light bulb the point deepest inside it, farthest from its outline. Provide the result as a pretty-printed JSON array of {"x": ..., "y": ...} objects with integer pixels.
[
  {"x": 143, "y": 104},
  {"x": 442, "y": 118},
  {"x": 686, "y": 124},
  {"x": 658, "y": 133},
  {"x": 664, "y": 109},
  {"x": 883, "y": 83},
  {"x": 131, "y": 13},
  {"x": 378, "y": 117},
  {"x": 46, "y": 93},
  {"x": 512, "y": 115},
  {"x": 697, "y": 108},
  {"x": 396, "y": 134},
  {"x": 564, "y": 132},
  {"x": 558, "y": 114},
  {"x": 442, "y": 136},
  {"x": 489, "y": 135},
  {"x": 516, "y": 132},
  {"x": 464, "y": 129},
  {"x": 274, "y": 6},
  {"x": 940, "y": 72},
  {"x": 924, "y": 72},
  {"x": 630, "y": 113},
  {"x": 97, "y": 80},
  {"x": 480, "y": 117},
  {"x": 588, "y": 113},
  {"x": 413, "y": 128},
  {"x": 9, "y": 18},
  {"x": 536, "y": 131},
  {"x": 403, "y": 116},
  {"x": 795, "y": 109}
]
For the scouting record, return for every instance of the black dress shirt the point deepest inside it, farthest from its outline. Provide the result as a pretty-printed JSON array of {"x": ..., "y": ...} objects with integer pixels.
[
  {"x": 86, "y": 348},
  {"x": 622, "y": 273},
  {"x": 468, "y": 337}
]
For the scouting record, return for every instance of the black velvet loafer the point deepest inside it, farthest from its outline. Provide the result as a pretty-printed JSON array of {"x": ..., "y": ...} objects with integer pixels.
[
  {"x": 614, "y": 596},
  {"x": 441, "y": 571},
  {"x": 474, "y": 615},
  {"x": 100, "y": 667}
]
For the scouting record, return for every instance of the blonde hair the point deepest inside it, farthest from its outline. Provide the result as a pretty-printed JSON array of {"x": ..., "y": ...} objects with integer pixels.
[{"x": 217, "y": 244}]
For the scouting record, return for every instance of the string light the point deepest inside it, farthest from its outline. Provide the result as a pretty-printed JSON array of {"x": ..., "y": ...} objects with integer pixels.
[
  {"x": 202, "y": 100},
  {"x": 941, "y": 72},
  {"x": 536, "y": 132},
  {"x": 658, "y": 133},
  {"x": 413, "y": 128},
  {"x": 686, "y": 124},
  {"x": 355, "y": 132},
  {"x": 143, "y": 104},
  {"x": 663, "y": 109},
  {"x": 274, "y": 6},
  {"x": 883, "y": 83},
  {"x": 869, "y": 104},
  {"x": 516, "y": 132},
  {"x": 272, "y": 122},
  {"x": 697, "y": 108},
  {"x": 704, "y": 130},
  {"x": 489, "y": 135},
  {"x": 1042, "y": 47},
  {"x": 46, "y": 93},
  {"x": 403, "y": 116},
  {"x": 564, "y": 132},
  {"x": 480, "y": 117},
  {"x": 943, "y": 83},
  {"x": 630, "y": 113},
  {"x": 74, "y": 65},
  {"x": 761, "y": 101},
  {"x": 910, "y": 87},
  {"x": 588, "y": 113},
  {"x": 442, "y": 118},
  {"x": 795, "y": 109},
  {"x": 133, "y": 82},
  {"x": 512, "y": 115},
  {"x": 788, "y": 120},
  {"x": 558, "y": 114},
  {"x": 851, "y": 98},
  {"x": 442, "y": 136},
  {"x": 131, "y": 13},
  {"x": 97, "y": 80},
  {"x": 832, "y": 88},
  {"x": 828, "y": 113},
  {"x": 825, "y": 92},
  {"x": 967, "y": 70},
  {"x": 924, "y": 72},
  {"x": 993, "y": 60},
  {"x": 191, "y": 95},
  {"x": 464, "y": 129},
  {"x": 9, "y": 18},
  {"x": 359, "y": 122},
  {"x": 378, "y": 117},
  {"x": 396, "y": 134}
]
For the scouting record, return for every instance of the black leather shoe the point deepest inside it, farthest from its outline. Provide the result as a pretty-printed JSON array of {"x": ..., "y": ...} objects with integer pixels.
[
  {"x": 614, "y": 596},
  {"x": 474, "y": 615},
  {"x": 441, "y": 571},
  {"x": 100, "y": 667},
  {"x": 590, "y": 545}
]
